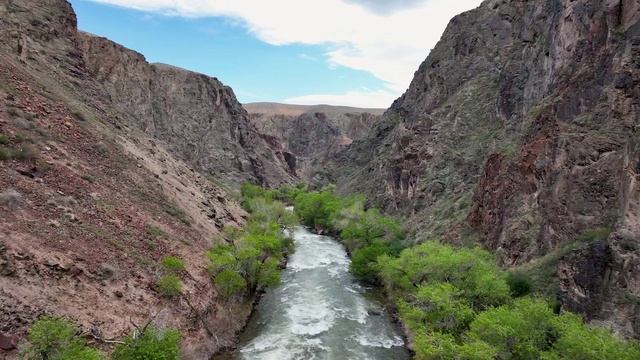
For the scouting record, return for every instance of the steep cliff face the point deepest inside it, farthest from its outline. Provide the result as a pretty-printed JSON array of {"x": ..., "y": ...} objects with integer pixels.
[
  {"x": 311, "y": 135},
  {"x": 197, "y": 116},
  {"x": 90, "y": 203},
  {"x": 519, "y": 131}
]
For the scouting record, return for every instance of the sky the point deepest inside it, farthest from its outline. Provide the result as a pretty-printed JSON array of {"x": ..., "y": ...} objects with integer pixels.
[{"x": 359, "y": 53}]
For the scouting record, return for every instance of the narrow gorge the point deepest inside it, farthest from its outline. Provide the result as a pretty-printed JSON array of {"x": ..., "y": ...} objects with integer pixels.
[{"x": 491, "y": 212}]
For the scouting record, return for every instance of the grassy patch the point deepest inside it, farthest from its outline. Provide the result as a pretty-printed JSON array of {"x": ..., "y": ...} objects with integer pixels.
[
  {"x": 169, "y": 285},
  {"x": 173, "y": 264}
]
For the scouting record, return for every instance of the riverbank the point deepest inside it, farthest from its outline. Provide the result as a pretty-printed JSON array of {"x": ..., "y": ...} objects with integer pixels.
[{"x": 320, "y": 310}]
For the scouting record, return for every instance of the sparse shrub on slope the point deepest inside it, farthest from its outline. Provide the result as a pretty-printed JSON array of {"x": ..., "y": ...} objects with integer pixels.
[
  {"x": 52, "y": 338},
  {"x": 169, "y": 285},
  {"x": 173, "y": 264},
  {"x": 151, "y": 344}
]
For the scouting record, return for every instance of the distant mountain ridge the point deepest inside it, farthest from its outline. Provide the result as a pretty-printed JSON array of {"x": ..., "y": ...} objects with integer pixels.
[
  {"x": 272, "y": 108},
  {"x": 312, "y": 134}
]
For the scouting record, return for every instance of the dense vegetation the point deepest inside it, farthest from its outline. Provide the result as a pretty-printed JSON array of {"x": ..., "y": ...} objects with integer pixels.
[
  {"x": 249, "y": 260},
  {"x": 456, "y": 303},
  {"x": 52, "y": 338}
]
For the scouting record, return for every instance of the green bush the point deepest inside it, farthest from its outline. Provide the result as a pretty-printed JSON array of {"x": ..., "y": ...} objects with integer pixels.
[
  {"x": 364, "y": 264},
  {"x": 520, "y": 284},
  {"x": 250, "y": 261},
  {"x": 52, "y": 338},
  {"x": 318, "y": 209},
  {"x": 173, "y": 263},
  {"x": 169, "y": 285},
  {"x": 372, "y": 226},
  {"x": 576, "y": 340},
  {"x": 439, "y": 346},
  {"x": 438, "y": 306},
  {"x": 520, "y": 330},
  {"x": 152, "y": 344},
  {"x": 473, "y": 271},
  {"x": 229, "y": 283},
  {"x": 4, "y": 139}
]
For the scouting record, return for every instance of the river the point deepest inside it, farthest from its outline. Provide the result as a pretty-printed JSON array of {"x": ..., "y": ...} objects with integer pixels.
[{"x": 319, "y": 311}]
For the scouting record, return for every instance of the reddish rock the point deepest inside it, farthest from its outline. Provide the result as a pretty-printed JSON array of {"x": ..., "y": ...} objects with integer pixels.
[{"x": 8, "y": 342}]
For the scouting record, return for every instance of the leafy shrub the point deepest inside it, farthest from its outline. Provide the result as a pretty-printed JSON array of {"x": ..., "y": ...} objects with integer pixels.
[
  {"x": 52, "y": 338},
  {"x": 152, "y": 344},
  {"x": 576, "y": 340},
  {"x": 372, "y": 226},
  {"x": 250, "y": 261},
  {"x": 318, "y": 209},
  {"x": 473, "y": 271},
  {"x": 520, "y": 284},
  {"x": 438, "y": 306},
  {"x": 519, "y": 330},
  {"x": 229, "y": 283},
  {"x": 439, "y": 346},
  {"x": 4, "y": 139},
  {"x": 169, "y": 285},
  {"x": 173, "y": 263},
  {"x": 364, "y": 263}
]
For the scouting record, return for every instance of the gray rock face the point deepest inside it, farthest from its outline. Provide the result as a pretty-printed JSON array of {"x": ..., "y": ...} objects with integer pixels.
[
  {"x": 519, "y": 130},
  {"x": 312, "y": 134},
  {"x": 196, "y": 115}
]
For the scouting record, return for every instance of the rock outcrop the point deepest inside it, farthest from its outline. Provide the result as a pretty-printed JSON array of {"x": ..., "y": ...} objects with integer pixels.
[
  {"x": 311, "y": 135},
  {"x": 520, "y": 131},
  {"x": 196, "y": 115}
]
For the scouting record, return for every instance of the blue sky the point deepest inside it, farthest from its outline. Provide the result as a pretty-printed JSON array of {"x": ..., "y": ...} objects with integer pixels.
[{"x": 320, "y": 51}]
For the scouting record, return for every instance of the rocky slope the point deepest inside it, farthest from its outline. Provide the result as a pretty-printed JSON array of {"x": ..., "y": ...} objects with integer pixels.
[
  {"x": 100, "y": 179},
  {"x": 311, "y": 135},
  {"x": 196, "y": 116},
  {"x": 520, "y": 131}
]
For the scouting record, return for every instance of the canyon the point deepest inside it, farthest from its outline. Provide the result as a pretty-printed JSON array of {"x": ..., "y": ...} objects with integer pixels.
[{"x": 518, "y": 133}]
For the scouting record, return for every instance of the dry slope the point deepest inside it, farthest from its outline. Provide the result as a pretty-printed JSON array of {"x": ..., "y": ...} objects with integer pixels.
[{"x": 100, "y": 179}]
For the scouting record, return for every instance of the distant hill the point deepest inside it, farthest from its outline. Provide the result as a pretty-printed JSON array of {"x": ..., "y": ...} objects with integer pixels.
[{"x": 269, "y": 108}]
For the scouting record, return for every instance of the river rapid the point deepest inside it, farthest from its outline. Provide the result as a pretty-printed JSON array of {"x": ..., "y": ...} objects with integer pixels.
[{"x": 319, "y": 311}]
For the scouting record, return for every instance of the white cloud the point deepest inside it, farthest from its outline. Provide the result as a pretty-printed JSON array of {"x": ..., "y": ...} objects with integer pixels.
[
  {"x": 357, "y": 98},
  {"x": 390, "y": 46}
]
